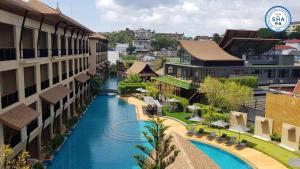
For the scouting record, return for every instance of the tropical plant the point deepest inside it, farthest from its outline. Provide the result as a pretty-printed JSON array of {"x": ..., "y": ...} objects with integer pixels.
[
  {"x": 216, "y": 37},
  {"x": 133, "y": 78},
  {"x": 162, "y": 152},
  {"x": 275, "y": 137},
  {"x": 212, "y": 88},
  {"x": 18, "y": 163},
  {"x": 38, "y": 165}
]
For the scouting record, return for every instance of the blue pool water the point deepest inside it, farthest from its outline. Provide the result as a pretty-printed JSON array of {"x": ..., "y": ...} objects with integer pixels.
[
  {"x": 105, "y": 137},
  {"x": 224, "y": 159}
]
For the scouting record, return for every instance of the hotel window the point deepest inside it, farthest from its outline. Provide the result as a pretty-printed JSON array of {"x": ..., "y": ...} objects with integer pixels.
[{"x": 170, "y": 70}]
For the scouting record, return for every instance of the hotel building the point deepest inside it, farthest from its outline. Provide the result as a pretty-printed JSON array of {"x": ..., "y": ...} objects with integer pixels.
[{"x": 46, "y": 61}]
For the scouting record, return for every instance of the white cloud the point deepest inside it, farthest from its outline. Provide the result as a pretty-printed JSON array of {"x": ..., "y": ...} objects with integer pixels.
[{"x": 193, "y": 17}]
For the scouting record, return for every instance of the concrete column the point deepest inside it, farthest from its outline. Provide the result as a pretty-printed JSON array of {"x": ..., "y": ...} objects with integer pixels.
[
  {"x": 1, "y": 134},
  {"x": 24, "y": 134},
  {"x": 35, "y": 39},
  {"x": 59, "y": 70},
  {"x": 51, "y": 124},
  {"x": 49, "y": 44},
  {"x": 67, "y": 68},
  {"x": 21, "y": 83},
  {"x": 67, "y": 45},
  {"x": 38, "y": 77},
  {"x": 50, "y": 74},
  {"x": 17, "y": 34},
  {"x": 39, "y": 146},
  {"x": 58, "y": 44}
]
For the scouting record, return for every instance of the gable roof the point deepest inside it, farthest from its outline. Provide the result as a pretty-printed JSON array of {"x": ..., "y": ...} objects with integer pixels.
[
  {"x": 283, "y": 47},
  {"x": 231, "y": 33},
  {"x": 206, "y": 51},
  {"x": 98, "y": 36},
  {"x": 138, "y": 68}
]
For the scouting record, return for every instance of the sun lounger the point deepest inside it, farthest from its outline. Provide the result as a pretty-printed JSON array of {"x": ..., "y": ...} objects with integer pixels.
[
  {"x": 231, "y": 141},
  {"x": 191, "y": 131},
  {"x": 242, "y": 144},
  {"x": 200, "y": 132},
  {"x": 222, "y": 138},
  {"x": 212, "y": 135}
]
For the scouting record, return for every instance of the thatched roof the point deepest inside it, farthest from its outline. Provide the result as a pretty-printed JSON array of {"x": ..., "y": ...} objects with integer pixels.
[{"x": 141, "y": 68}]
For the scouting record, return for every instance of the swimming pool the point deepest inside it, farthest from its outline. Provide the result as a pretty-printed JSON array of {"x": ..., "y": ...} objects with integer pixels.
[
  {"x": 224, "y": 159},
  {"x": 105, "y": 137}
]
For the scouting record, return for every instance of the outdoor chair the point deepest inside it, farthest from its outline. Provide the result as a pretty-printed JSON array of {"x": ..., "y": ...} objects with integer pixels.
[
  {"x": 191, "y": 131},
  {"x": 212, "y": 135},
  {"x": 222, "y": 138},
  {"x": 242, "y": 144},
  {"x": 231, "y": 141},
  {"x": 200, "y": 132}
]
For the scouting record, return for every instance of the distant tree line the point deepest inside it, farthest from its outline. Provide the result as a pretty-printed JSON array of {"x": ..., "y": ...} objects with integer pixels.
[{"x": 123, "y": 36}]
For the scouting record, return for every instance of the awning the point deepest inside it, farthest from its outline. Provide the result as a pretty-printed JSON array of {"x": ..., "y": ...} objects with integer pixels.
[
  {"x": 82, "y": 78},
  {"x": 55, "y": 94},
  {"x": 19, "y": 117},
  {"x": 91, "y": 72},
  {"x": 99, "y": 67}
]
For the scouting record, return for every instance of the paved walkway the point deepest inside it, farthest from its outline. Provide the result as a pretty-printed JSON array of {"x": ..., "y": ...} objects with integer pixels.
[{"x": 254, "y": 157}]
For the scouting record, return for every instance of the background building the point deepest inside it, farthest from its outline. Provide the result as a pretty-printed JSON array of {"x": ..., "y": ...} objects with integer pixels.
[
  {"x": 142, "y": 40},
  {"x": 293, "y": 26},
  {"x": 175, "y": 36},
  {"x": 122, "y": 48}
]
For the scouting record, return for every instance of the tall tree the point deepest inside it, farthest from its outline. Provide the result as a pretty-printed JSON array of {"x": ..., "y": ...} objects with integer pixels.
[
  {"x": 162, "y": 152},
  {"x": 268, "y": 34},
  {"x": 212, "y": 88},
  {"x": 216, "y": 37},
  {"x": 159, "y": 41}
]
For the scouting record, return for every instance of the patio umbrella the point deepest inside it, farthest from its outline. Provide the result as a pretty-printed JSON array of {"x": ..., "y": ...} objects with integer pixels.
[
  {"x": 141, "y": 90},
  {"x": 193, "y": 108},
  {"x": 220, "y": 124},
  {"x": 174, "y": 100},
  {"x": 240, "y": 128},
  {"x": 294, "y": 162},
  {"x": 197, "y": 119}
]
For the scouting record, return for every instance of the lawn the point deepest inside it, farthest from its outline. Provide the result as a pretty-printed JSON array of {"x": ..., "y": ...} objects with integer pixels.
[{"x": 273, "y": 150}]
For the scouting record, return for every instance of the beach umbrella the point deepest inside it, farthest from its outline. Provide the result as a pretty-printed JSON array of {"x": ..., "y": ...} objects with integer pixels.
[
  {"x": 294, "y": 162},
  {"x": 240, "y": 129},
  {"x": 220, "y": 124},
  {"x": 174, "y": 100},
  {"x": 197, "y": 119},
  {"x": 193, "y": 108}
]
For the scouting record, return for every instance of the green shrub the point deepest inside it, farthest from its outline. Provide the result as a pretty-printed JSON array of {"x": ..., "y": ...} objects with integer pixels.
[
  {"x": 133, "y": 78},
  {"x": 214, "y": 116},
  {"x": 183, "y": 102},
  {"x": 252, "y": 128},
  {"x": 124, "y": 87},
  {"x": 250, "y": 81},
  {"x": 153, "y": 92},
  {"x": 38, "y": 165},
  {"x": 275, "y": 137},
  {"x": 57, "y": 141}
]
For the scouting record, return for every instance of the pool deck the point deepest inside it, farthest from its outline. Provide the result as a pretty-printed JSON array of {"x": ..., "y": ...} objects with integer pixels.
[{"x": 256, "y": 158}]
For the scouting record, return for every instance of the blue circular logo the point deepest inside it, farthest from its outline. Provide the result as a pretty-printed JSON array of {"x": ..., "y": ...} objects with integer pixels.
[{"x": 278, "y": 18}]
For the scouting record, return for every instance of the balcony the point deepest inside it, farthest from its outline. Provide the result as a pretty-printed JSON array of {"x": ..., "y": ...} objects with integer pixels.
[
  {"x": 55, "y": 79},
  {"x": 30, "y": 90},
  {"x": 63, "y": 52},
  {"x": 27, "y": 53},
  {"x": 43, "y": 53},
  {"x": 46, "y": 115},
  {"x": 64, "y": 76},
  {"x": 9, "y": 99},
  {"x": 7, "y": 54},
  {"x": 54, "y": 52},
  {"x": 70, "y": 73},
  {"x": 70, "y": 51},
  {"x": 56, "y": 106},
  {"x": 44, "y": 84}
]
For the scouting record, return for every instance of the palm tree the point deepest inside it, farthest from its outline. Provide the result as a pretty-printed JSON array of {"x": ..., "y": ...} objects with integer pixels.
[{"x": 162, "y": 152}]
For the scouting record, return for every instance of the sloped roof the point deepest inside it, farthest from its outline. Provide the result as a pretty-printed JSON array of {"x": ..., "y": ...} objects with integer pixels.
[
  {"x": 55, "y": 94},
  {"x": 19, "y": 116},
  {"x": 206, "y": 51},
  {"x": 283, "y": 47},
  {"x": 138, "y": 67},
  {"x": 98, "y": 36},
  {"x": 296, "y": 91},
  {"x": 231, "y": 33},
  {"x": 82, "y": 78},
  {"x": 160, "y": 71}
]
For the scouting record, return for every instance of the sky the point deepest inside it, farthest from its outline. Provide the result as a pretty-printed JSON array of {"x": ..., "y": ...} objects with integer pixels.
[{"x": 191, "y": 17}]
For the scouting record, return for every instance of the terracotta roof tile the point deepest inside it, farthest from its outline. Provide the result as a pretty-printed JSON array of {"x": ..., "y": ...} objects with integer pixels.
[{"x": 18, "y": 117}]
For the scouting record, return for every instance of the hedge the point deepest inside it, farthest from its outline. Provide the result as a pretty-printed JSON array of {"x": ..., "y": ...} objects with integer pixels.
[
  {"x": 250, "y": 81},
  {"x": 124, "y": 87}
]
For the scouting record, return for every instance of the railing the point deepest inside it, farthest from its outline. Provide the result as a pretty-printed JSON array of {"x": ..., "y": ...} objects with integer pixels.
[
  {"x": 63, "y": 52},
  {"x": 44, "y": 84},
  {"x": 55, "y": 79},
  {"x": 257, "y": 104},
  {"x": 54, "y": 52},
  {"x": 9, "y": 99},
  {"x": 15, "y": 140},
  {"x": 64, "y": 76},
  {"x": 30, "y": 90},
  {"x": 7, "y": 54},
  {"x": 28, "y": 53},
  {"x": 43, "y": 53},
  {"x": 70, "y": 51},
  {"x": 70, "y": 73}
]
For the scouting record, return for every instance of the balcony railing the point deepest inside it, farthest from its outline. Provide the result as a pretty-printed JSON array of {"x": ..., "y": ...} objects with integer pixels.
[
  {"x": 33, "y": 125},
  {"x": 9, "y": 99},
  {"x": 70, "y": 51},
  {"x": 43, "y": 53},
  {"x": 55, "y": 79},
  {"x": 30, "y": 90},
  {"x": 7, "y": 54},
  {"x": 44, "y": 84},
  {"x": 28, "y": 53},
  {"x": 54, "y": 52},
  {"x": 70, "y": 73},
  {"x": 15, "y": 140},
  {"x": 63, "y": 52},
  {"x": 64, "y": 76}
]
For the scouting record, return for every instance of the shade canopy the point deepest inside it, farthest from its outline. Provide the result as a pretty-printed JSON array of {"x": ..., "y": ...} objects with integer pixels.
[
  {"x": 219, "y": 123},
  {"x": 197, "y": 119},
  {"x": 294, "y": 162},
  {"x": 240, "y": 128},
  {"x": 82, "y": 78},
  {"x": 55, "y": 94},
  {"x": 149, "y": 100},
  {"x": 193, "y": 107},
  {"x": 18, "y": 117},
  {"x": 174, "y": 100}
]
